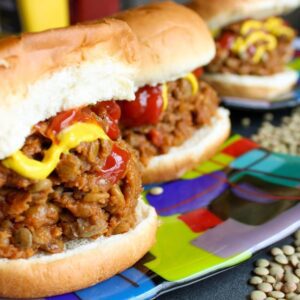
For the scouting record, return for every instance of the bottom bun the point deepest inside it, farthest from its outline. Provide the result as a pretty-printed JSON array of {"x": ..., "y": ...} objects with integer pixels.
[
  {"x": 200, "y": 147},
  {"x": 253, "y": 87},
  {"x": 84, "y": 263}
]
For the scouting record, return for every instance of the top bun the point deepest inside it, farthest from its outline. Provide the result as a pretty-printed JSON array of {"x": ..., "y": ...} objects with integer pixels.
[
  {"x": 44, "y": 73},
  {"x": 173, "y": 40},
  {"x": 219, "y": 13}
]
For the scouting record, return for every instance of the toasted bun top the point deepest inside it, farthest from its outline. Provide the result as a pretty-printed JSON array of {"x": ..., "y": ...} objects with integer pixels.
[
  {"x": 173, "y": 41},
  {"x": 219, "y": 13},
  {"x": 44, "y": 73}
]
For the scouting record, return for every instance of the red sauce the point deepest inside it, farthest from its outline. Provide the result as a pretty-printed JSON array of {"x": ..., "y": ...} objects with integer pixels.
[
  {"x": 66, "y": 118},
  {"x": 145, "y": 109},
  {"x": 198, "y": 72},
  {"x": 111, "y": 111},
  {"x": 155, "y": 137},
  {"x": 226, "y": 40},
  {"x": 108, "y": 110},
  {"x": 251, "y": 50},
  {"x": 115, "y": 165}
]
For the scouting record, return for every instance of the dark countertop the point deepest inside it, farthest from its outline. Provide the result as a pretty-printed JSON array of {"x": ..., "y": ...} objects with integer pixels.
[
  {"x": 256, "y": 117},
  {"x": 231, "y": 284}
]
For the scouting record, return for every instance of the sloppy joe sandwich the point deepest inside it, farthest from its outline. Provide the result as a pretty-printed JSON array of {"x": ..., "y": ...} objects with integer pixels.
[
  {"x": 70, "y": 214},
  {"x": 253, "y": 45},
  {"x": 175, "y": 121}
]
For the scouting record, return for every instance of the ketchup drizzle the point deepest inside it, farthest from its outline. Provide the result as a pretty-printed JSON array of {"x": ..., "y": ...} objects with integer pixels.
[
  {"x": 115, "y": 165},
  {"x": 145, "y": 109}
]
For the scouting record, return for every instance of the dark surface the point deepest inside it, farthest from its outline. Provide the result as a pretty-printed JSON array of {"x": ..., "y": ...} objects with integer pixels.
[
  {"x": 256, "y": 120},
  {"x": 232, "y": 283}
]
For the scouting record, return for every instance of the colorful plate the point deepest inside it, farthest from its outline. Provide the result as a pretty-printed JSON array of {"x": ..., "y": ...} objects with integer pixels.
[
  {"x": 291, "y": 99},
  {"x": 214, "y": 217}
]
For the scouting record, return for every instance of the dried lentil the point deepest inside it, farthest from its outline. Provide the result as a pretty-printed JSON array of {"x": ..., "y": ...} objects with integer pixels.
[
  {"x": 258, "y": 295},
  {"x": 255, "y": 280},
  {"x": 284, "y": 138},
  {"x": 156, "y": 191}
]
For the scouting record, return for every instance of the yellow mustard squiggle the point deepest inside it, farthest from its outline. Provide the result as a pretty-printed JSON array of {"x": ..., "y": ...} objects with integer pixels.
[
  {"x": 68, "y": 139},
  {"x": 266, "y": 32}
]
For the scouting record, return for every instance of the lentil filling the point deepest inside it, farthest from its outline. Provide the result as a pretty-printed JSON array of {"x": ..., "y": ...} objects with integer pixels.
[
  {"x": 77, "y": 200},
  {"x": 228, "y": 61},
  {"x": 185, "y": 114}
]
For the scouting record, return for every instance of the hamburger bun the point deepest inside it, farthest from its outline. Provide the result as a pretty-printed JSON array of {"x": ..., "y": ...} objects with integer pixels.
[
  {"x": 200, "y": 147},
  {"x": 253, "y": 87},
  {"x": 173, "y": 41},
  {"x": 84, "y": 263},
  {"x": 72, "y": 67},
  {"x": 219, "y": 13}
]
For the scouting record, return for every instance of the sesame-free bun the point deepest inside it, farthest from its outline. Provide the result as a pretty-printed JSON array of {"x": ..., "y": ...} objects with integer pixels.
[
  {"x": 219, "y": 13},
  {"x": 173, "y": 41},
  {"x": 85, "y": 263},
  {"x": 45, "y": 73},
  {"x": 253, "y": 87},
  {"x": 200, "y": 147}
]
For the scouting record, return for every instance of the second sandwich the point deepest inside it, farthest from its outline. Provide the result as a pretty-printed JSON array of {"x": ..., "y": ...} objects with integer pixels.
[
  {"x": 174, "y": 122},
  {"x": 254, "y": 46}
]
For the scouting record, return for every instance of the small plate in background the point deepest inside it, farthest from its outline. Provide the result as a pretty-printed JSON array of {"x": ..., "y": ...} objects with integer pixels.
[{"x": 292, "y": 99}]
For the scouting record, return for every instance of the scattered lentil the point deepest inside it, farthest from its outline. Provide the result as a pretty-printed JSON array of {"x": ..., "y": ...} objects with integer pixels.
[
  {"x": 288, "y": 250},
  {"x": 246, "y": 122},
  {"x": 258, "y": 295},
  {"x": 290, "y": 277},
  {"x": 266, "y": 287},
  {"x": 274, "y": 264},
  {"x": 288, "y": 268},
  {"x": 157, "y": 190},
  {"x": 262, "y": 263},
  {"x": 290, "y": 295},
  {"x": 268, "y": 117},
  {"x": 282, "y": 259},
  {"x": 289, "y": 287},
  {"x": 297, "y": 235},
  {"x": 278, "y": 286},
  {"x": 261, "y": 271},
  {"x": 294, "y": 260},
  {"x": 279, "y": 278},
  {"x": 276, "y": 251},
  {"x": 276, "y": 271},
  {"x": 276, "y": 294},
  {"x": 269, "y": 279},
  {"x": 254, "y": 280},
  {"x": 284, "y": 138}
]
